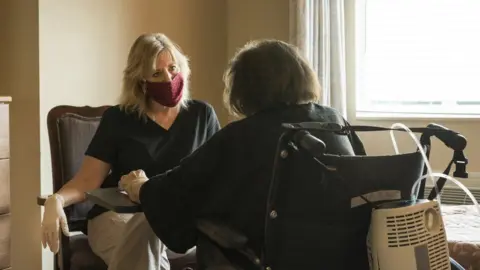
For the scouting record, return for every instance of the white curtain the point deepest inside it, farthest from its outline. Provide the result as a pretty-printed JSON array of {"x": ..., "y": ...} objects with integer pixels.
[{"x": 317, "y": 27}]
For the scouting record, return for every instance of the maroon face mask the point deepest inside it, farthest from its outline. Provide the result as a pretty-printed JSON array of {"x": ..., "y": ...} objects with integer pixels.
[{"x": 166, "y": 93}]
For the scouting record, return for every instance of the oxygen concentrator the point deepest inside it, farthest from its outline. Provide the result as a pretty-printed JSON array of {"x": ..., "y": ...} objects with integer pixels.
[{"x": 408, "y": 235}]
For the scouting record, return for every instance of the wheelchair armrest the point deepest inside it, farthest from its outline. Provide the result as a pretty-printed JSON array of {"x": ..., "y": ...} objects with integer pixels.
[
  {"x": 41, "y": 199},
  {"x": 222, "y": 234},
  {"x": 229, "y": 238},
  {"x": 113, "y": 200}
]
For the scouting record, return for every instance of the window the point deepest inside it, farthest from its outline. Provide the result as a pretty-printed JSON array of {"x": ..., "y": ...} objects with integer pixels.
[{"x": 418, "y": 58}]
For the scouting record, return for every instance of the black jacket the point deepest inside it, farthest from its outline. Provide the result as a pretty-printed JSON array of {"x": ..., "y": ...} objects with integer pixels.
[{"x": 227, "y": 179}]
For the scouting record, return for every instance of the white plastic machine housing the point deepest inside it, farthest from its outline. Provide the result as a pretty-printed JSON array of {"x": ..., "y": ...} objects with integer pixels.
[{"x": 408, "y": 235}]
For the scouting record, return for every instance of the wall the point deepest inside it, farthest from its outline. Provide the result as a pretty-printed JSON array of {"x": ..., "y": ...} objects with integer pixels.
[
  {"x": 254, "y": 19},
  {"x": 251, "y": 19},
  {"x": 73, "y": 53}
]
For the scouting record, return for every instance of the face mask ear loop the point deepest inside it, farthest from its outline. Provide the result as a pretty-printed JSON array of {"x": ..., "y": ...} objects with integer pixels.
[{"x": 141, "y": 83}]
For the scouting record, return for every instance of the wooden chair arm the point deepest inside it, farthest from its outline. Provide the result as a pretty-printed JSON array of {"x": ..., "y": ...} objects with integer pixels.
[
  {"x": 108, "y": 198},
  {"x": 41, "y": 199}
]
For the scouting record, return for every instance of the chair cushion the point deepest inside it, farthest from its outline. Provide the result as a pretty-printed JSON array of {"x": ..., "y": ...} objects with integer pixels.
[
  {"x": 83, "y": 257},
  {"x": 74, "y": 135}
]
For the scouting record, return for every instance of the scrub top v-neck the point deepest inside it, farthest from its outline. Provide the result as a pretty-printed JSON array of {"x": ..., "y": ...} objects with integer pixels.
[{"x": 128, "y": 142}]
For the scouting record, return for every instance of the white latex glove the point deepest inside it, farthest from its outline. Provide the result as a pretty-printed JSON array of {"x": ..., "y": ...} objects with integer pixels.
[
  {"x": 132, "y": 182},
  {"x": 53, "y": 219}
]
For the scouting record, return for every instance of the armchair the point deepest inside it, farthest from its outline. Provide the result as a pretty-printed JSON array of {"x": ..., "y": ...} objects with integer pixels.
[{"x": 70, "y": 130}]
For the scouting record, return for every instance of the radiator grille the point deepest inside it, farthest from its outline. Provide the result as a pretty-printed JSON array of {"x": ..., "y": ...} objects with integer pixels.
[{"x": 455, "y": 195}]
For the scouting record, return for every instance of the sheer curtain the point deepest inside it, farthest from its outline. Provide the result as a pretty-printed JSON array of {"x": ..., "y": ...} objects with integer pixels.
[{"x": 317, "y": 27}]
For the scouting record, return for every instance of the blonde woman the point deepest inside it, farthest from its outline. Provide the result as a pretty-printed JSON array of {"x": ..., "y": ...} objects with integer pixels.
[{"x": 153, "y": 128}]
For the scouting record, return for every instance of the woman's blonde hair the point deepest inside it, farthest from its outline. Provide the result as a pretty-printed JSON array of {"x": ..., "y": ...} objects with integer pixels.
[
  {"x": 268, "y": 73},
  {"x": 141, "y": 59}
]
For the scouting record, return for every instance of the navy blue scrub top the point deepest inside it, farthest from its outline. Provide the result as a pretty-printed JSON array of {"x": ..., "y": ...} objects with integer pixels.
[{"x": 128, "y": 142}]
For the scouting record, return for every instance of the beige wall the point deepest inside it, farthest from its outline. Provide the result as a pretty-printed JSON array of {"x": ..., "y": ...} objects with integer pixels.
[{"x": 255, "y": 19}]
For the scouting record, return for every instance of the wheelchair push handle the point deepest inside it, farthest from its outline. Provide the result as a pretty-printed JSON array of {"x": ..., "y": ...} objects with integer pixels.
[
  {"x": 310, "y": 143},
  {"x": 450, "y": 138}
]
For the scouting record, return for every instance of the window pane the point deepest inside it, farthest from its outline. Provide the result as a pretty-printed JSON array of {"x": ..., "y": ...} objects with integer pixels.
[{"x": 422, "y": 50}]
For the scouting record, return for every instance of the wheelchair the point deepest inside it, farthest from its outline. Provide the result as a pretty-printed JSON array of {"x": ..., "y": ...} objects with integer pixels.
[{"x": 311, "y": 221}]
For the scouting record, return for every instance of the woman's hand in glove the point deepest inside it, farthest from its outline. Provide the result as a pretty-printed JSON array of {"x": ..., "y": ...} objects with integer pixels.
[
  {"x": 53, "y": 219},
  {"x": 132, "y": 182}
]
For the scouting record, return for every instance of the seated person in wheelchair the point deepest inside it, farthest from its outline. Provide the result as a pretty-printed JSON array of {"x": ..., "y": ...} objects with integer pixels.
[
  {"x": 267, "y": 83},
  {"x": 153, "y": 128}
]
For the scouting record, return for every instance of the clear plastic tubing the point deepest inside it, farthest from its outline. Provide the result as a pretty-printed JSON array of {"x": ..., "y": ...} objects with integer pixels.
[
  {"x": 458, "y": 183},
  {"x": 424, "y": 155}
]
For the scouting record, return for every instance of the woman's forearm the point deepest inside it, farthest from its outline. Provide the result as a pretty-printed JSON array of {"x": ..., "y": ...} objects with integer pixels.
[
  {"x": 90, "y": 176},
  {"x": 72, "y": 193}
]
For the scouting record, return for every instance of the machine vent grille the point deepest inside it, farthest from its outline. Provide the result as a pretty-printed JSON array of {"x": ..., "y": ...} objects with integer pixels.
[
  {"x": 409, "y": 230},
  {"x": 438, "y": 249},
  {"x": 406, "y": 230}
]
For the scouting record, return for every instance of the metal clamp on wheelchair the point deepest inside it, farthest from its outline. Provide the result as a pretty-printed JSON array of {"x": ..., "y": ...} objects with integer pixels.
[{"x": 326, "y": 211}]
